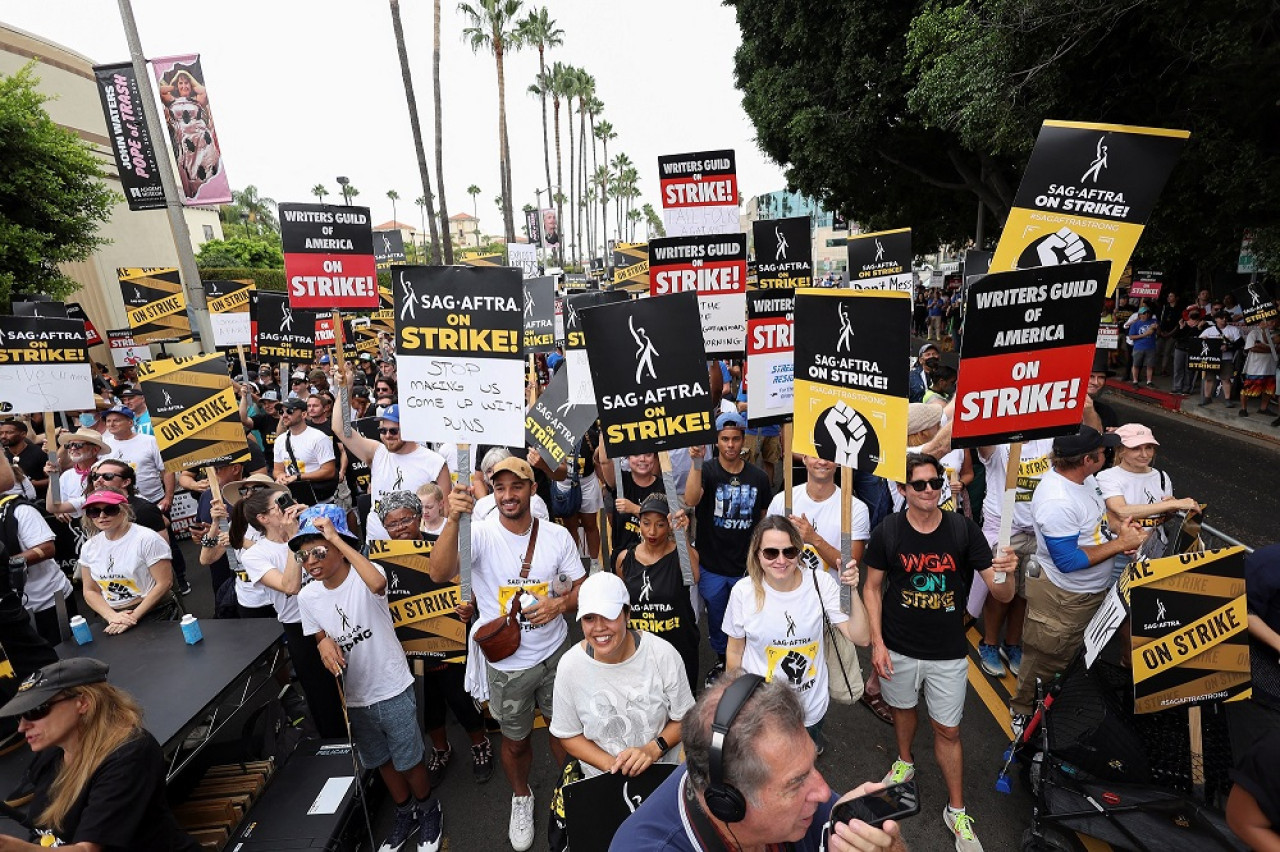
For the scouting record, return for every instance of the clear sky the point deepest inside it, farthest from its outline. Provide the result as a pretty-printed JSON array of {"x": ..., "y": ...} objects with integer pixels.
[{"x": 305, "y": 90}]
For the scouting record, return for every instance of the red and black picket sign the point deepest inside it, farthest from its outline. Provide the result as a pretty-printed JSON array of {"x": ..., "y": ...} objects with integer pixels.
[{"x": 328, "y": 256}]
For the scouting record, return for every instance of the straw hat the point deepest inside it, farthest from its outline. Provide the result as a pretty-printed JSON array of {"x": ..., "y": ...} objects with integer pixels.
[
  {"x": 88, "y": 436},
  {"x": 231, "y": 491}
]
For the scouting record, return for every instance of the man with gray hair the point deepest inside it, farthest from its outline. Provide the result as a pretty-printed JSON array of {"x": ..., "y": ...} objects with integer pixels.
[{"x": 751, "y": 787}]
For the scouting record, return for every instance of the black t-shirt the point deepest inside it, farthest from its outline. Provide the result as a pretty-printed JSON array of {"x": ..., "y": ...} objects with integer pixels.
[
  {"x": 266, "y": 426},
  {"x": 926, "y": 583},
  {"x": 626, "y": 526},
  {"x": 123, "y": 808},
  {"x": 660, "y": 602},
  {"x": 1256, "y": 772},
  {"x": 32, "y": 460},
  {"x": 147, "y": 515},
  {"x": 727, "y": 512}
]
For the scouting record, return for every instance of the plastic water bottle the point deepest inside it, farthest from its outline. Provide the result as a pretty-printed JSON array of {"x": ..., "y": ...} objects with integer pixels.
[
  {"x": 80, "y": 630},
  {"x": 561, "y": 585},
  {"x": 191, "y": 630}
]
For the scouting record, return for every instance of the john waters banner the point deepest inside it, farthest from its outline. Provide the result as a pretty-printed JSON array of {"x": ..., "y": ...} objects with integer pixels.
[
  {"x": 328, "y": 257},
  {"x": 1026, "y": 355},
  {"x": 851, "y": 367},
  {"x": 1086, "y": 195},
  {"x": 784, "y": 252},
  {"x": 715, "y": 266},
  {"x": 194, "y": 411},
  {"x": 459, "y": 348},
  {"x": 881, "y": 261},
  {"x": 155, "y": 304},
  {"x": 131, "y": 143},
  {"x": 191, "y": 130},
  {"x": 699, "y": 193}
]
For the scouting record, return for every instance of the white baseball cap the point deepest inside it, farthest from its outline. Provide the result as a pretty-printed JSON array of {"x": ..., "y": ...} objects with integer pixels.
[{"x": 604, "y": 594}]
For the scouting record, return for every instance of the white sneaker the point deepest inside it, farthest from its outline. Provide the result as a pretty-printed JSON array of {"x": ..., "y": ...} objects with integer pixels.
[
  {"x": 961, "y": 825},
  {"x": 520, "y": 830}
]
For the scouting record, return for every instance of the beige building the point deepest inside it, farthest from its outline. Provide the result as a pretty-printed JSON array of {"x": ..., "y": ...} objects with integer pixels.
[{"x": 139, "y": 238}]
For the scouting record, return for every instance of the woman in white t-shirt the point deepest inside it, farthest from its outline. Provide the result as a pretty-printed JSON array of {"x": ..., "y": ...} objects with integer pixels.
[
  {"x": 777, "y": 616},
  {"x": 130, "y": 575},
  {"x": 1133, "y": 489},
  {"x": 271, "y": 566}
]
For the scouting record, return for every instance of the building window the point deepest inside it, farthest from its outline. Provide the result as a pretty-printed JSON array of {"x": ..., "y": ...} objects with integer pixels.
[{"x": 208, "y": 232}]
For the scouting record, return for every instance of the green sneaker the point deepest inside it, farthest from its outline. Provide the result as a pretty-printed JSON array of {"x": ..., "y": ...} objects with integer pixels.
[{"x": 900, "y": 773}]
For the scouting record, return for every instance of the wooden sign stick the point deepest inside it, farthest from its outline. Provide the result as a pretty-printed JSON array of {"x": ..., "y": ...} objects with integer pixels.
[
  {"x": 788, "y": 469},
  {"x": 344, "y": 392},
  {"x": 51, "y": 450}
]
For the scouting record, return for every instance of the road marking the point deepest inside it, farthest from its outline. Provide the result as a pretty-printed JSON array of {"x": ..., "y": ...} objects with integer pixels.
[{"x": 996, "y": 706}]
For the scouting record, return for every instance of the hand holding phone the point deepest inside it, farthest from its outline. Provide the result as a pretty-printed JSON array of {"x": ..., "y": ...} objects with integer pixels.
[{"x": 878, "y": 807}]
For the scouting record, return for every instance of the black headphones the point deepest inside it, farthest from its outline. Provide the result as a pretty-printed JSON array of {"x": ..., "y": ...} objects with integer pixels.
[{"x": 726, "y": 801}]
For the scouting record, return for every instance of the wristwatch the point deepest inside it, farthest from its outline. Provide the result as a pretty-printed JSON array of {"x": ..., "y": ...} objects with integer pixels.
[{"x": 662, "y": 744}]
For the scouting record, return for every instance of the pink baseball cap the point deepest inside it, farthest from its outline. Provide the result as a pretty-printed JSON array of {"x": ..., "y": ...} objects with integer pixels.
[
  {"x": 110, "y": 498},
  {"x": 1136, "y": 435}
]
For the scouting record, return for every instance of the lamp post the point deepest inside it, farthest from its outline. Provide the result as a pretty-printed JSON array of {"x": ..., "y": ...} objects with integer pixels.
[{"x": 344, "y": 182}]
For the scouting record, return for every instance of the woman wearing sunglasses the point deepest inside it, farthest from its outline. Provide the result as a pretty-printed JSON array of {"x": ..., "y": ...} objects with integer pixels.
[
  {"x": 99, "y": 776},
  {"x": 778, "y": 613},
  {"x": 130, "y": 576},
  {"x": 272, "y": 514}
]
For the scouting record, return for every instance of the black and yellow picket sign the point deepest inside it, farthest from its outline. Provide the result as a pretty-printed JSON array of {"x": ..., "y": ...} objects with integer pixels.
[
  {"x": 1087, "y": 193},
  {"x": 383, "y": 319},
  {"x": 631, "y": 267},
  {"x": 422, "y": 610},
  {"x": 487, "y": 259},
  {"x": 194, "y": 411},
  {"x": 851, "y": 378},
  {"x": 1189, "y": 625},
  {"x": 228, "y": 303},
  {"x": 155, "y": 303}
]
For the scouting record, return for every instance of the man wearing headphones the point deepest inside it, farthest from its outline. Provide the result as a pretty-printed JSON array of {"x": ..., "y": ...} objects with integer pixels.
[{"x": 748, "y": 782}]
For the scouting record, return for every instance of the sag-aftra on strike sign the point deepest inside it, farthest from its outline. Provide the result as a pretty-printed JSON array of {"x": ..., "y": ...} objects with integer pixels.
[{"x": 328, "y": 256}]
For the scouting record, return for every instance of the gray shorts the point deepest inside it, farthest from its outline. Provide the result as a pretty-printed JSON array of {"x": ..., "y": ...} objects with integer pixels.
[
  {"x": 945, "y": 684},
  {"x": 1144, "y": 358},
  {"x": 387, "y": 732},
  {"x": 513, "y": 695}
]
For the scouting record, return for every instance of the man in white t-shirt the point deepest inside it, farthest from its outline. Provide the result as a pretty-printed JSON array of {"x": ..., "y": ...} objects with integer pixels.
[
  {"x": 394, "y": 463},
  {"x": 304, "y": 459},
  {"x": 34, "y": 545},
  {"x": 1075, "y": 544},
  {"x": 815, "y": 510},
  {"x": 143, "y": 455},
  {"x": 547, "y": 588}
]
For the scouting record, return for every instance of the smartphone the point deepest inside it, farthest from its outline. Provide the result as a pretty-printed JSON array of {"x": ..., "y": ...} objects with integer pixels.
[
  {"x": 284, "y": 500},
  {"x": 875, "y": 809}
]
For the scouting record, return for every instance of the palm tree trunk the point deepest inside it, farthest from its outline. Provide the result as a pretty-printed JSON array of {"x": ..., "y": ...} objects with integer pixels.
[
  {"x": 604, "y": 208},
  {"x": 542, "y": 94},
  {"x": 444, "y": 207},
  {"x": 416, "y": 126},
  {"x": 573, "y": 167},
  {"x": 559, "y": 180},
  {"x": 508, "y": 222},
  {"x": 582, "y": 186}
]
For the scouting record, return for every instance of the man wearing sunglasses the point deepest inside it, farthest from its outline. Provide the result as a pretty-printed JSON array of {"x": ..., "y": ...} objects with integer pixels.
[
  {"x": 304, "y": 457},
  {"x": 922, "y": 562},
  {"x": 394, "y": 463}
]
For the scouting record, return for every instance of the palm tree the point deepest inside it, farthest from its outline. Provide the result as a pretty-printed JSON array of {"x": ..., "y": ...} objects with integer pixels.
[
  {"x": 555, "y": 84},
  {"x": 259, "y": 208},
  {"x": 633, "y": 216},
  {"x": 653, "y": 223},
  {"x": 394, "y": 196},
  {"x": 620, "y": 164},
  {"x": 473, "y": 191},
  {"x": 594, "y": 107},
  {"x": 421, "y": 201},
  {"x": 605, "y": 133},
  {"x": 586, "y": 91},
  {"x": 493, "y": 28},
  {"x": 539, "y": 30},
  {"x": 435, "y": 86},
  {"x": 412, "y": 102},
  {"x": 349, "y": 192},
  {"x": 568, "y": 85},
  {"x": 319, "y": 192}
]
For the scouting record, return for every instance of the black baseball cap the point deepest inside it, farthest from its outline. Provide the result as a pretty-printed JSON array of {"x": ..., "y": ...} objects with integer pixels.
[
  {"x": 295, "y": 404},
  {"x": 128, "y": 390},
  {"x": 655, "y": 503},
  {"x": 1084, "y": 441},
  {"x": 46, "y": 683}
]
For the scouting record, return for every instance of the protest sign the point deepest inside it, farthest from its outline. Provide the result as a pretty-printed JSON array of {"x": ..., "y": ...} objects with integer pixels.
[
  {"x": 388, "y": 247},
  {"x": 650, "y": 374},
  {"x": 125, "y": 351},
  {"x": 194, "y": 411},
  {"x": 1189, "y": 627},
  {"x": 1146, "y": 284},
  {"x": 228, "y": 303},
  {"x": 539, "y": 315},
  {"x": 1108, "y": 336},
  {"x": 770, "y": 355},
  {"x": 280, "y": 331},
  {"x": 155, "y": 305},
  {"x": 1205, "y": 355},
  {"x": 851, "y": 382},
  {"x": 881, "y": 261},
  {"x": 44, "y": 365},
  {"x": 699, "y": 193},
  {"x": 533, "y": 227},
  {"x": 594, "y": 808},
  {"x": 784, "y": 252},
  {"x": 422, "y": 610},
  {"x": 581, "y": 389},
  {"x": 326, "y": 339},
  {"x": 357, "y": 469},
  {"x": 1086, "y": 195},
  {"x": 488, "y": 259},
  {"x": 458, "y": 345},
  {"x": 43, "y": 307},
  {"x": 328, "y": 256},
  {"x": 192, "y": 133},
  {"x": 74, "y": 311},
  {"x": 553, "y": 426},
  {"x": 131, "y": 144},
  {"x": 1027, "y": 352},
  {"x": 631, "y": 266},
  {"x": 523, "y": 256},
  {"x": 716, "y": 267},
  {"x": 1252, "y": 298}
]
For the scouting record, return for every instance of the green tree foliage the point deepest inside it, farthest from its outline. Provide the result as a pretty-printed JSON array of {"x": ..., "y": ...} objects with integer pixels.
[
  {"x": 53, "y": 197},
  {"x": 249, "y": 251},
  {"x": 907, "y": 113}
]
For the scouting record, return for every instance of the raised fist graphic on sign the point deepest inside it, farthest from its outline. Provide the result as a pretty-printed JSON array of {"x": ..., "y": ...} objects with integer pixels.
[{"x": 1066, "y": 246}]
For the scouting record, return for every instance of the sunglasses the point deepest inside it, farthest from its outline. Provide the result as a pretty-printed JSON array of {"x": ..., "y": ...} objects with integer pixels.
[
  {"x": 385, "y": 431},
  {"x": 772, "y": 553},
  {"x": 76, "y": 446},
  {"x": 109, "y": 477},
  {"x": 921, "y": 484},
  {"x": 319, "y": 552},
  {"x": 100, "y": 511},
  {"x": 250, "y": 489},
  {"x": 35, "y": 714}
]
